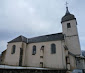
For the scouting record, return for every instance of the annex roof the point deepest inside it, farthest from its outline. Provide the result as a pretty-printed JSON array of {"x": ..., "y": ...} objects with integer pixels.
[
  {"x": 19, "y": 39},
  {"x": 45, "y": 38}
]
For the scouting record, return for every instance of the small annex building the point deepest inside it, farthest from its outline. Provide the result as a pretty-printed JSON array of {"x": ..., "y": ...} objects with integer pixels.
[{"x": 56, "y": 51}]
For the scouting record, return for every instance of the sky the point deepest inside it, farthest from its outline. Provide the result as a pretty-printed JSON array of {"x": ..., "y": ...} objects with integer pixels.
[{"x": 32, "y": 18}]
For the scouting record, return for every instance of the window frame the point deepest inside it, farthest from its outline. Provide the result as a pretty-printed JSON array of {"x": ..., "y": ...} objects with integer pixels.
[
  {"x": 53, "y": 48},
  {"x": 34, "y": 50},
  {"x": 68, "y": 25},
  {"x": 13, "y": 49}
]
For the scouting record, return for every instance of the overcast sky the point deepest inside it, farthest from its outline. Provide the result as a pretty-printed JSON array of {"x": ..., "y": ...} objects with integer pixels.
[{"x": 32, "y": 18}]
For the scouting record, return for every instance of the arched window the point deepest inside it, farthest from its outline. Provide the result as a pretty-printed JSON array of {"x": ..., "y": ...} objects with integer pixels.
[
  {"x": 34, "y": 50},
  {"x": 42, "y": 48},
  {"x": 13, "y": 49},
  {"x": 53, "y": 48}
]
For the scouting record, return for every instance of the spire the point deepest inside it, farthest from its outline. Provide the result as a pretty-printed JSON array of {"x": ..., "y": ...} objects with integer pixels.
[
  {"x": 67, "y": 15},
  {"x": 67, "y": 11}
]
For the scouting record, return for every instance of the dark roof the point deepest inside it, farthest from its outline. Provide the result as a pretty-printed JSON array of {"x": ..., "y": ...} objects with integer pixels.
[
  {"x": 19, "y": 39},
  {"x": 51, "y": 37},
  {"x": 67, "y": 16}
]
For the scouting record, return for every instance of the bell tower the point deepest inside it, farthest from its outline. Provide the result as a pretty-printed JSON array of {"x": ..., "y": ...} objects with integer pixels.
[{"x": 69, "y": 27}]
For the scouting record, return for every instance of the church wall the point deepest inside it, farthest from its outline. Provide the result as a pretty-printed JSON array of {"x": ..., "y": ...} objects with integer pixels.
[
  {"x": 70, "y": 31},
  {"x": 56, "y": 60},
  {"x": 73, "y": 44},
  {"x": 32, "y": 60},
  {"x": 24, "y": 45},
  {"x": 3, "y": 57},
  {"x": 72, "y": 62},
  {"x": 72, "y": 39},
  {"x": 13, "y": 59},
  {"x": 64, "y": 54}
]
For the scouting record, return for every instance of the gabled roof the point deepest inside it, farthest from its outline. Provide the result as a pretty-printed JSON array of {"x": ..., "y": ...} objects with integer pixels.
[
  {"x": 45, "y": 38},
  {"x": 19, "y": 39}
]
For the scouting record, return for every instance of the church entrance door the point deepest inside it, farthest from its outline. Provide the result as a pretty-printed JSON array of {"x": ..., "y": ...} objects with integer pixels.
[{"x": 21, "y": 55}]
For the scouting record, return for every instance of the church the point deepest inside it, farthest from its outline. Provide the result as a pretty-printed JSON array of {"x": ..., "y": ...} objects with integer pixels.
[{"x": 56, "y": 51}]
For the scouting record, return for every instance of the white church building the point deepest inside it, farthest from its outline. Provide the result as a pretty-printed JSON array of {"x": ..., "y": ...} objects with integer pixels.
[{"x": 56, "y": 51}]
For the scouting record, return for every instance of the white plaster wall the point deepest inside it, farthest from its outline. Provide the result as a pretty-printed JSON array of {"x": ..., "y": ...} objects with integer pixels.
[
  {"x": 13, "y": 59},
  {"x": 72, "y": 39},
  {"x": 64, "y": 54},
  {"x": 72, "y": 62},
  {"x": 50, "y": 60},
  {"x": 73, "y": 45},
  {"x": 24, "y": 46},
  {"x": 70, "y": 31}
]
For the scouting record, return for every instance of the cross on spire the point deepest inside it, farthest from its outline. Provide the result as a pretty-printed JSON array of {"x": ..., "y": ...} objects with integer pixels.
[
  {"x": 66, "y": 4},
  {"x": 67, "y": 11}
]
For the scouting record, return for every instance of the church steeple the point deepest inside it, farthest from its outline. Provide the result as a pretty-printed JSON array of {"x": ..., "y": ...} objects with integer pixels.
[
  {"x": 69, "y": 26},
  {"x": 68, "y": 16}
]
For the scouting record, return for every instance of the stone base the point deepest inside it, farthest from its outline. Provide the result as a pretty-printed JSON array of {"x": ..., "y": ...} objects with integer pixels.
[{"x": 30, "y": 71}]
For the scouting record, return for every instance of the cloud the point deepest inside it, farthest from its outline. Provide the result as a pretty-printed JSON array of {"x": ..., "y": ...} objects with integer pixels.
[{"x": 36, "y": 17}]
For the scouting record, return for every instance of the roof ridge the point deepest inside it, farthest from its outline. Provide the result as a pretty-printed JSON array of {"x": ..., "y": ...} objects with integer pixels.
[
  {"x": 46, "y": 35},
  {"x": 43, "y": 38},
  {"x": 21, "y": 38}
]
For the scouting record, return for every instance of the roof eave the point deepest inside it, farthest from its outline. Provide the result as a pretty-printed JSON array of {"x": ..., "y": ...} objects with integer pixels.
[{"x": 68, "y": 20}]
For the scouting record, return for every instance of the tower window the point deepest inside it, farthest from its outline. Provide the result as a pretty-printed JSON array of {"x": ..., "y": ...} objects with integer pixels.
[
  {"x": 34, "y": 50},
  {"x": 53, "y": 48},
  {"x": 68, "y": 25},
  {"x": 13, "y": 49}
]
